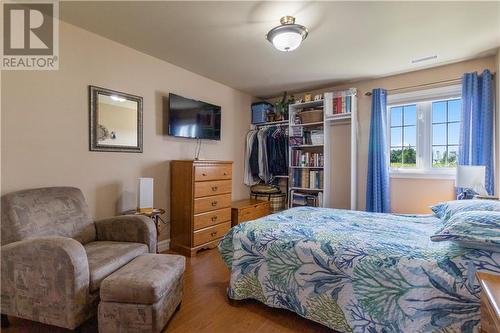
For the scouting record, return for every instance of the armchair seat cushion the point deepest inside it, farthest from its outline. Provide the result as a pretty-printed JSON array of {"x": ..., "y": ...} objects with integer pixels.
[{"x": 105, "y": 257}]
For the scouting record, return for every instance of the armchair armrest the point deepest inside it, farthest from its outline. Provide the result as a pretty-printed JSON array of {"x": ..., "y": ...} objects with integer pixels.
[
  {"x": 128, "y": 228},
  {"x": 47, "y": 280}
]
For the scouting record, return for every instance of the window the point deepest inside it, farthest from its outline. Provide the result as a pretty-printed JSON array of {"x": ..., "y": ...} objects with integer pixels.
[
  {"x": 445, "y": 132},
  {"x": 404, "y": 136},
  {"x": 424, "y": 130}
]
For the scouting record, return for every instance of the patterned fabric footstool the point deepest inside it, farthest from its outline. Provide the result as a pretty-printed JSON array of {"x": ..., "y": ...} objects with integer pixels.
[{"x": 142, "y": 295}]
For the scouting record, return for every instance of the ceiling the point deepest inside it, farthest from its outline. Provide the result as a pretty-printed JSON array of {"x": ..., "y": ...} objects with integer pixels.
[{"x": 225, "y": 41}]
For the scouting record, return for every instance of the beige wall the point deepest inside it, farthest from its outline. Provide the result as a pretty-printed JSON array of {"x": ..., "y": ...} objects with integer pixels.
[
  {"x": 408, "y": 195},
  {"x": 45, "y": 123}
]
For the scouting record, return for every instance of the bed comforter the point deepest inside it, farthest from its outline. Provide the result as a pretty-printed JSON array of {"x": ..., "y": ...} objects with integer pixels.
[{"x": 356, "y": 271}]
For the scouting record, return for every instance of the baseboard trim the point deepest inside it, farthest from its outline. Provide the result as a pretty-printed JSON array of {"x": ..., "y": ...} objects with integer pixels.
[{"x": 164, "y": 245}]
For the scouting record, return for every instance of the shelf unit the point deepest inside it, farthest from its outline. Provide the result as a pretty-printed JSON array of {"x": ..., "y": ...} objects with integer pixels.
[{"x": 329, "y": 120}]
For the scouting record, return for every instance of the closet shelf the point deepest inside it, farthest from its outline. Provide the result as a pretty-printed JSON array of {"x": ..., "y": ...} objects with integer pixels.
[
  {"x": 308, "y": 124},
  {"x": 308, "y": 104},
  {"x": 306, "y": 167},
  {"x": 270, "y": 123},
  {"x": 340, "y": 116},
  {"x": 306, "y": 189},
  {"x": 307, "y": 146}
]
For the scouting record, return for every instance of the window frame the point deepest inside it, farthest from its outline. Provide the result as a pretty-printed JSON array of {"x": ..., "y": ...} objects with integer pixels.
[{"x": 423, "y": 99}]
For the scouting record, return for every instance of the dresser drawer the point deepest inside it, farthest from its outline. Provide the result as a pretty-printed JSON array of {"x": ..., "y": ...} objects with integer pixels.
[
  {"x": 211, "y": 218},
  {"x": 203, "y": 173},
  {"x": 214, "y": 187},
  {"x": 212, "y": 203},
  {"x": 211, "y": 233},
  {"x": 249, "y": 214}
]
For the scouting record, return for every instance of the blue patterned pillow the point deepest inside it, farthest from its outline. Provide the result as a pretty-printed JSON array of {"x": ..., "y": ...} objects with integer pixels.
[
  {"x": 476, "y": 229},
  {"x": 446, "y": 210}
]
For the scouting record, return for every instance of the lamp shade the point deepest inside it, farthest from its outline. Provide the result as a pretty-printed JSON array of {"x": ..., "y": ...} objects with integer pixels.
[
  {"x": 145, "y": 195},
  {"x": 471, "y": 177}
]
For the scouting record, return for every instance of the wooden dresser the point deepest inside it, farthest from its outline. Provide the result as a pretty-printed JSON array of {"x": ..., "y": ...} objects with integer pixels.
[
  {"x": 200, "y": 204},
  {"x": 490, "y": 302},
  {"x": 248, "y": 210}
]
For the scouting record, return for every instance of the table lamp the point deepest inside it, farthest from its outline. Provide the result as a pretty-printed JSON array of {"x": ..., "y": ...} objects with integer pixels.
[
  {"x": 145, "y": 195},
  {"x": 471, "y": 179}
]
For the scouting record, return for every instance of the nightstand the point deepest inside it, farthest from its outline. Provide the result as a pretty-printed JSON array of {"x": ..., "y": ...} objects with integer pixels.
[
  {"x": 490, "y": 302},
  {"x": 248, "y": 210}
]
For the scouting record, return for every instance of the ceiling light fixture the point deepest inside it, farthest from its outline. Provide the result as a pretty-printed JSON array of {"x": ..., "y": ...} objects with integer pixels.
[{"x": 288, "y": 36}]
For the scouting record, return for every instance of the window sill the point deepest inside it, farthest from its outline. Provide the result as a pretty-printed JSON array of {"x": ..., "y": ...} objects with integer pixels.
[{"x": 423, "y": 174}]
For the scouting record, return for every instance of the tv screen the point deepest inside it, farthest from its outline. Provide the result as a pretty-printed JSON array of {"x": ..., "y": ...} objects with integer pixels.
[{"x": 189, "y": 118}]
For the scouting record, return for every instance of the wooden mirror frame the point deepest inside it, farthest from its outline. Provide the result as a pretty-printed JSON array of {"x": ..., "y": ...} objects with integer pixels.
[{"x": 93, "y": 114}]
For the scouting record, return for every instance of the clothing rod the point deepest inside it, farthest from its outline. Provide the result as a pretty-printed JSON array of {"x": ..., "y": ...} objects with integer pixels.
[
  {"x": 275, "y": 125},
  {"x": 456, "y": 80}
]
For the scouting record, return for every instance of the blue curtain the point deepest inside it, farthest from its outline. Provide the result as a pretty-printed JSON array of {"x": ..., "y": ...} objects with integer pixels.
[
  {"x": 378, "y": 197},
  {"x": 476, "y": 130}
]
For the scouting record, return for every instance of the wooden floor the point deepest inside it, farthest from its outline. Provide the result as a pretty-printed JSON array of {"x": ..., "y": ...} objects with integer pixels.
[{"x": 205, "y": 307}]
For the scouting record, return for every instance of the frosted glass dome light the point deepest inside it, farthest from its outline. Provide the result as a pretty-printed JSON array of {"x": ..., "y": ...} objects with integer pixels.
[{"x": 288, "y": 36}]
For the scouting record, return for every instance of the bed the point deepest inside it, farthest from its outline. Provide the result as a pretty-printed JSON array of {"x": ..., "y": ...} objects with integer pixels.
[{"x": 356, "y": 271}]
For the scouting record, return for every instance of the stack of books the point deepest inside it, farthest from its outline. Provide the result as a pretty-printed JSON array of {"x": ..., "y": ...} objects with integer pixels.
[
  {"x": 301, "y": 158},
  {"x": 305, "y": 178},
  {"x": 316, "y": 179},
  {"x": 342, "y": 104},
  {"x": 313, "y": 137},
  {"x": 297, "y": 131},
  {"x": 306, "y": 199}
]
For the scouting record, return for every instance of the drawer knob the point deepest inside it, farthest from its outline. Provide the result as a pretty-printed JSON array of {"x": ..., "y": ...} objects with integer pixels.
[
  {"x": 213, "y": 233},
  {"x": 214, "y": 203},
  {"x": 214, "y": 218},
  {"x": 214, "y": 188},
  {"x": 225, "y": 173},
  {"x": 203, "y": 174}
]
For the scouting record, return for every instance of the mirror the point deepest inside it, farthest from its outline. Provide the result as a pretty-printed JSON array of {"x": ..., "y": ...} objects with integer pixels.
[{"x": 115, "y": 121}]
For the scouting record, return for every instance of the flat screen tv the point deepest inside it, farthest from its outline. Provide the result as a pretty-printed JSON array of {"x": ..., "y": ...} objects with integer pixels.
[{"x": 188, "y": 118}]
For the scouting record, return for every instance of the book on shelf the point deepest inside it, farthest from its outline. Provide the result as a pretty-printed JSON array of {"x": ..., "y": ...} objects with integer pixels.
[
  {"x": 341, "y": 103},
  {"x": 306, "y": 199},
  {"x": 297, "y": 131},
  {"x": 305, "y": 178},
  {"x": 301, "y": 158},
  {"x": 313, "y": 137}
]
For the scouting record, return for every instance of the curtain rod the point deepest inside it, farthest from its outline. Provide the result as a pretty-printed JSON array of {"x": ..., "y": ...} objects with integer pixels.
[
  {"x": 369, "y": 93},
  {"x": 457, "y": 80}
]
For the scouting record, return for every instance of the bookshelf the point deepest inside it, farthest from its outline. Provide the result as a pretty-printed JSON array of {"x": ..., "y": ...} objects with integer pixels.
[{"x": 313, "y": 157}]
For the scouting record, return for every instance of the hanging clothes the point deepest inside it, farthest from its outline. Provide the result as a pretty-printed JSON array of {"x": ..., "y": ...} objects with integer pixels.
[
  {"x": 251, "y": 176},
  {"x": 264, "y": 173},
  {"x": 266, "y": 155}
]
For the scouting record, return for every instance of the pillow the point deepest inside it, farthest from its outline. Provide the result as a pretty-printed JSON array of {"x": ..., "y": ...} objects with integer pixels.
[
  {"x": 446, "y": 210},
  {"x": 476, "y": 229}
]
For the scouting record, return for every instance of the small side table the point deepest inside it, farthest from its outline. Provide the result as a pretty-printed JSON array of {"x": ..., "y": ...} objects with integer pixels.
[
  {"x": 153, "y": 215},
  {"x": 248, "y": 210},
  {"x": 490, "y": 302}
]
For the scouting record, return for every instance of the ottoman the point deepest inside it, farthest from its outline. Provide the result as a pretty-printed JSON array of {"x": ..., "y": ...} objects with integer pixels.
[{"x": 142, "y": 295}]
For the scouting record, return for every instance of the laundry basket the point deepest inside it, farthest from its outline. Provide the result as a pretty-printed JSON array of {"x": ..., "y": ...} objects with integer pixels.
[{"x": 277, "y": 200}]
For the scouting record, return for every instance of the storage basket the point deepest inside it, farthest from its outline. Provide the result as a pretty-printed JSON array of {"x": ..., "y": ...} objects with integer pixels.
[
  {"x": 277, "y": 200},
  {"x": 312, "y": 116},
  {"x": 259, "y": 112},
  {"x": 265, "y": 189}
]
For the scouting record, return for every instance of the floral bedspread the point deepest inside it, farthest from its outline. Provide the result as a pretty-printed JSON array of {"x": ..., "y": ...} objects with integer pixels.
[{"x": 356, "y": 271}]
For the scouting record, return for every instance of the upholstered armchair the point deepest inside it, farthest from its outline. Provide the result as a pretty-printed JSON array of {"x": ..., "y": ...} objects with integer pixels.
[{"x": 54, "y": 256}]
